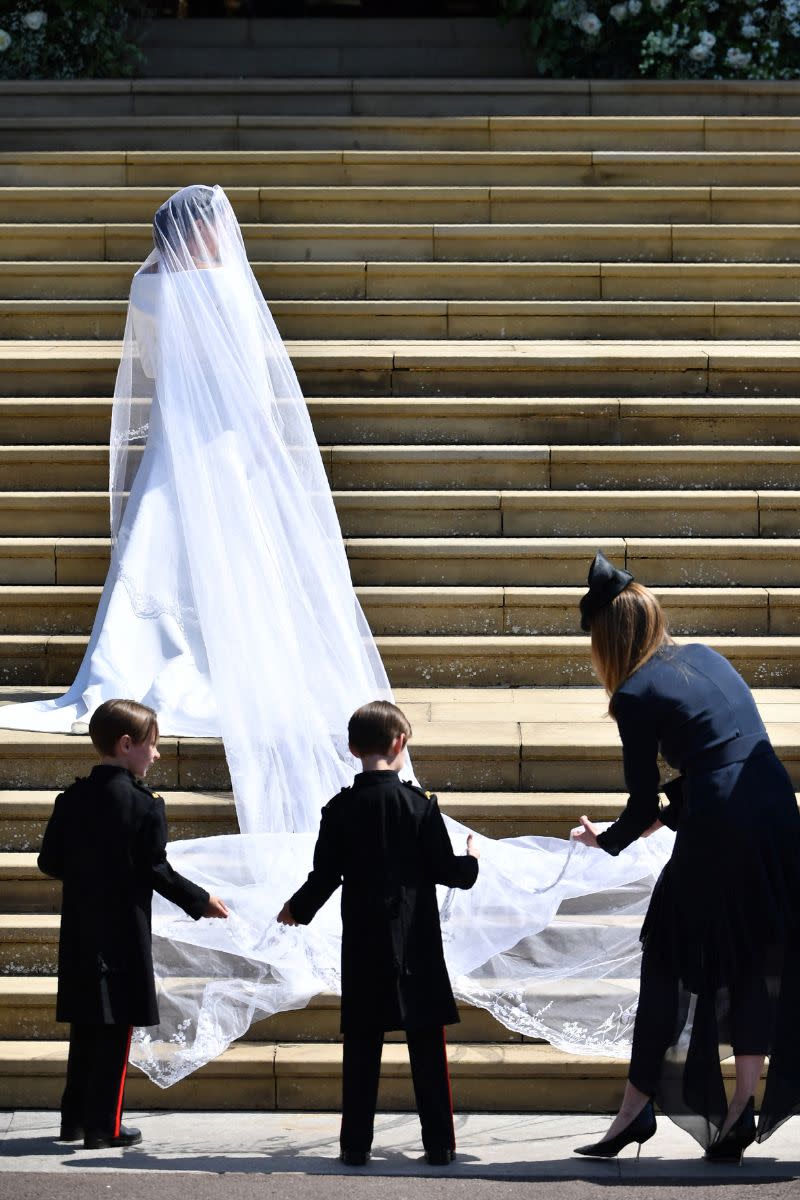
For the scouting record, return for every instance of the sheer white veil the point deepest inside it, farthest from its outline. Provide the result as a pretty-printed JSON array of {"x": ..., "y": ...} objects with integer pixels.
[
  {"x": 208, "y": 409},
  {"x": 264, "y": 575}
]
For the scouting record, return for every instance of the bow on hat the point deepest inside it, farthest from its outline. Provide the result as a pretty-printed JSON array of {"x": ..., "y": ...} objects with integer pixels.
[{"x": 605, "y": 583}]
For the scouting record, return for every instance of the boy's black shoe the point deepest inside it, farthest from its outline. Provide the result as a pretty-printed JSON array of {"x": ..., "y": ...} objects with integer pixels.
[
  {"x": 354, "y": 1158},
  {"x": 441, "y": 1157},
  {"x": 127, "y": 1136},
  {"x": 70, "y": 1132}
]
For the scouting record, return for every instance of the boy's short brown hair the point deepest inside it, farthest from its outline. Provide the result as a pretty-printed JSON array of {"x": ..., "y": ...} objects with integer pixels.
[
  {"x": 374, "y": 726},
  {"x": 113, "y": 719}
]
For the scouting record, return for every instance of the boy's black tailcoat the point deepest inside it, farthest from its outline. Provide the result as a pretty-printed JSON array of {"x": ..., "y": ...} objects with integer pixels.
[
  {"x": 106, "y": 841},
  {"x": 385, "y": 841}
]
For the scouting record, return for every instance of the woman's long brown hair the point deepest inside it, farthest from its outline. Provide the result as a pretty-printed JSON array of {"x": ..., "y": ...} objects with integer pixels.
[{"x": 625, "y": 634}]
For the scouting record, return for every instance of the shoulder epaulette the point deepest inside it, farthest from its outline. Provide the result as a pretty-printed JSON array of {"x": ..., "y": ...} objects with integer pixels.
[
  {"x": 142, "y": 786},
  {"x": 415, "y": 787}
]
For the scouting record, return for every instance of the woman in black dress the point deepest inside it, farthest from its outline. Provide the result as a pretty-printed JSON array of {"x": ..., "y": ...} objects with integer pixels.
[{"x": 720, "y": 971}]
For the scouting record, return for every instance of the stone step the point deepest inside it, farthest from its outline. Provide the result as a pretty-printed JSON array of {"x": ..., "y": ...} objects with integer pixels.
[
  {"x": 513, "y": 1077},
  {"x": 666, "y": 562},
  {"x": 24, "y": 814},
  {"x": 456, "y": 468},
  {"x": 467, "y": 204},
  {"x": 437, "y": 420},
  {"x": 29, "y": 958},
  {"x": 24, "y": 890},
  {"x": 470, "y": 561},
  {"x": 29, "y": 954},
  {"x": 481, "y": 739},
  {"x": 444, "y": 319},
  {"x": 423, "y": 241},
  {"x": 217, "y": 120},
  {"x": 469, "y": 368},
  {"x": 448, "y": 611},
  {"x": 507, "y": 660},
  {"x": 720, "y": 109},
  {"x": 27, "y": 1012},
  {"x": 416, "y": 167},
  {"x": 281, "y": 280},
  {"x": 459, "y": 513}
]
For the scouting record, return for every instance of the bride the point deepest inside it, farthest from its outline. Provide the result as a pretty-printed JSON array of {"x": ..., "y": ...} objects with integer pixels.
[{"x": 229, "y": 609}]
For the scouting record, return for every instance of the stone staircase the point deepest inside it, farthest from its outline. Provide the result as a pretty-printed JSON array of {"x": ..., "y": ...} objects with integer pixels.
[{"x": 522, "y": 337}]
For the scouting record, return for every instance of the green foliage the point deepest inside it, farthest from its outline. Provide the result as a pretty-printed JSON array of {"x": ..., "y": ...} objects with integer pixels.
[
  {"x": 662, "y": 39},
  {"x": 68, "y": 39}
]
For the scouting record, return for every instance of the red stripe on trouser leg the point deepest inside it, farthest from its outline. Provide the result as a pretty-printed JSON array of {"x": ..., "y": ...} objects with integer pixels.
[
  {"x": 449, "y": 1090},
  {"x": 118, "y": 1118}
]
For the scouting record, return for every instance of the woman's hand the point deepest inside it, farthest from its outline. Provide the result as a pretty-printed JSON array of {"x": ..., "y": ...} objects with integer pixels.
[
  {"x": 472, "y": 848},
  {"x": 585, "y": 833}
]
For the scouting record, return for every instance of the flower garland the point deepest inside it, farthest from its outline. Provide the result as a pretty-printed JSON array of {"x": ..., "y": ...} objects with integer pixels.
[
  {"x": 67, "y": 39},
  {"x": 662, "y": 39}
]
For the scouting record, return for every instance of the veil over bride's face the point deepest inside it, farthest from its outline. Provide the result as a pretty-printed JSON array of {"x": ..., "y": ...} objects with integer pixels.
[{"x": 188, "y": 228}]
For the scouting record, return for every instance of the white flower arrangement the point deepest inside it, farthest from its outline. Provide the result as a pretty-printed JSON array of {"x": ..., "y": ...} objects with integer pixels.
[
  {"x": 35, "y": 20},
  {"x": 590, "y": 23},
  {"x": 87, "y": 39},
  {"x": 738, "y": 59},
  {"x": 663, "y": 39}
]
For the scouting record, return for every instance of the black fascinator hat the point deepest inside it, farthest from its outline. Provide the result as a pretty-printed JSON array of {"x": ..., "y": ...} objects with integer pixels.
[{"x": 605, "y": 583}]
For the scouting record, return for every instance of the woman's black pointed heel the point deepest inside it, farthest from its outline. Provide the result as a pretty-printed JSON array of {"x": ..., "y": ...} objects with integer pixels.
[
  {"x": 640, "y": 1130},
  {"x": 742, "y": 1133}
]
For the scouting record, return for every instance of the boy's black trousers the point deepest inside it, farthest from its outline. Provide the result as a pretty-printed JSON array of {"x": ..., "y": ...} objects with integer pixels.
[
  {"x": 361, "y": 1068},
  {"x": 96, "y": 1071}
]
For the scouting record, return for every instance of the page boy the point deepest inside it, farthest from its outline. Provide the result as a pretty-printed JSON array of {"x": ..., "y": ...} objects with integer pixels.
[
  {"x": 385, "y": 841},
  {"x": 106, "y": 840}
]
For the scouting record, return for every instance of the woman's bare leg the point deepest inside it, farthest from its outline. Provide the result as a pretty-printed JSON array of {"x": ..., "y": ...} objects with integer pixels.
[
  {"x": 748, "y": 1073},
  {"x": 633, "y": 1101}
]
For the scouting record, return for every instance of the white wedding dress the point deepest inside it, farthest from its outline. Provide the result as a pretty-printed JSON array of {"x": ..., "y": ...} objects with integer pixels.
[{"x": 229, "y": 609}]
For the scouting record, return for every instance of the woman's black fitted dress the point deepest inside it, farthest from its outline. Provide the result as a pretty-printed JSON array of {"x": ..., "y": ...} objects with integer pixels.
[{"x": 720, "y": 966}]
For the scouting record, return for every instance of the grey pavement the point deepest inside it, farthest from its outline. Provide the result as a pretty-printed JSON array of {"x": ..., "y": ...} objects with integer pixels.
[{"x": 298, "y": 1147}]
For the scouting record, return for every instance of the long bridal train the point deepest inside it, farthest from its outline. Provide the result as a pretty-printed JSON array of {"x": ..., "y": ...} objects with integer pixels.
[
  {"x": 547, "y": 943},
  {"x": 229, "y": 608}
]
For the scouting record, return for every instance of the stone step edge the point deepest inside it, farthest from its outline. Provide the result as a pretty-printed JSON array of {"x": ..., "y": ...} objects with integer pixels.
[
  {"x": 437, "y": 231},
  {"x": 474, "y": 547},
  {"x": 477, "y": 498},
  {"x": 712, "y": 452},
  {"x": 566, "y": 155},
  {"x": 446, "y": 594},
  {"x": 502, "y": 406},
  {"x": 500, "y": 1060},
  {"x": 526, "y": 87},
  {"x": 458, "y": 307},
  {"x": 650, "y": 123},
  {"x": 270, "y": 1058},
  {"x": 415, "y": 354},
  {"x": 536, "y": 643}
]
